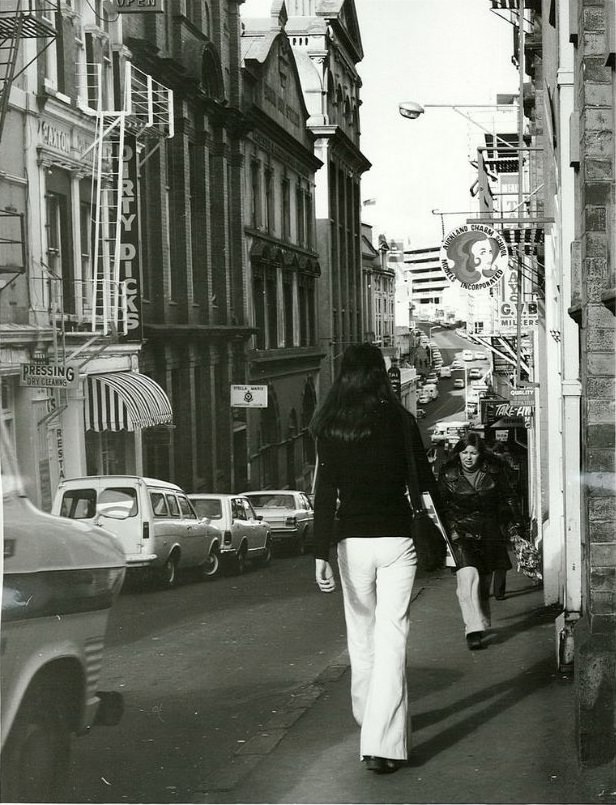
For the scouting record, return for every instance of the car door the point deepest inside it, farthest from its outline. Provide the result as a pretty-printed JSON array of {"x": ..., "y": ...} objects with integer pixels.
[
  {"x": 256, "y": 530},
  {"x": 174, "y": 530},
  {"x": 194, "y": 533},
  {"x": 239, "y": 523}
]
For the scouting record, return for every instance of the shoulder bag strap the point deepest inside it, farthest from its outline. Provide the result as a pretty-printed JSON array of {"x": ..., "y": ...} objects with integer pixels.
[{"x": 412, "y": 478}]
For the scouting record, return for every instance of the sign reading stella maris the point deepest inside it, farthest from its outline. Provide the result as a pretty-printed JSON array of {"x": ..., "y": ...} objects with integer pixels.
[{"x": 475, "y": 255}]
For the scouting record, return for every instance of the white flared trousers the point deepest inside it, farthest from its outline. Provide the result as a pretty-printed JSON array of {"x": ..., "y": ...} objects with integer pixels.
[
  {"x": 377, "y": 575},
  {"x": 473, "y": 593}
]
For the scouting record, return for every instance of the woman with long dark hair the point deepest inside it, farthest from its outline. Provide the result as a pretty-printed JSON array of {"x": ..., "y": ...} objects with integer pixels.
[
  {"x": 482, "y": 513},
  {"x": 361, "y": 504}
]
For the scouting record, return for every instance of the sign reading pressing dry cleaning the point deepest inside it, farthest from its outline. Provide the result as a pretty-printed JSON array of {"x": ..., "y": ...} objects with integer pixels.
[
  {"x": 249, "y": 396},
  {"x": 475, "y": 255},
  {"x": 49, "y": 375}
]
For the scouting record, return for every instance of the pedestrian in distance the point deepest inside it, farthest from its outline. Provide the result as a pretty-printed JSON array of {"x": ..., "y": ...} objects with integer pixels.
[
  {"x": 482, "y": 514},
  {"x": 362, "y": 466}
]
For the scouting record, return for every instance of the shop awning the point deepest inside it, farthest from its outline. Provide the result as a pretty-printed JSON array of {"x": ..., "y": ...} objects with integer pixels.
[{"x": 125, "y": 401}]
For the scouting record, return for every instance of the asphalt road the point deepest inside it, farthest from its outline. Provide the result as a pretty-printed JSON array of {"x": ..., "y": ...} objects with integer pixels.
[{"x": 202, "y": 667}]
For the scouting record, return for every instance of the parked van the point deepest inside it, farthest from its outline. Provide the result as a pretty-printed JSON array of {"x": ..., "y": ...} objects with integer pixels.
[
  {"x": 154, "y": 521},
  {"x": 431, "y": 389},
  {"x": 60, "y": 580}
]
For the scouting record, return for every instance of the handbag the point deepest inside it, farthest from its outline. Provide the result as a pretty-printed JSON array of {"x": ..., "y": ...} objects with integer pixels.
[{"x": 429, "y": 540}]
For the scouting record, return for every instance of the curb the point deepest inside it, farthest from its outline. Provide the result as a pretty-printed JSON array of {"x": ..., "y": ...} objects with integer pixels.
[{"x": 265, "y": 741}]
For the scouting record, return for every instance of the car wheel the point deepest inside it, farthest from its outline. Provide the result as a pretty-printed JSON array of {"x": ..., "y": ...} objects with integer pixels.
[
  {"x": 35, "y": 759},
  {"x": 211, "y": 567},
  {"x": 240, "y": 561},
  {"x": 168, "y": 572},
  {"x": 267, "y": 552}
]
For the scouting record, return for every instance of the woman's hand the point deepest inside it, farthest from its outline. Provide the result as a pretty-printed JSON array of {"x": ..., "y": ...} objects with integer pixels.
[{"x": 324, "y": 575}]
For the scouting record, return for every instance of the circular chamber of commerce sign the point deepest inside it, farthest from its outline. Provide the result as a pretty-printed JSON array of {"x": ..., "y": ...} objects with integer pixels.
[{"x": 475, "y": 255}]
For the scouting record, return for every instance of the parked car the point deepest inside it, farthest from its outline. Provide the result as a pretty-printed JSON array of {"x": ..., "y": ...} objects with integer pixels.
[
  {"x": 60, "y": 581},
  {"x": 424, "y": 398},
  {"x": 467, "y": 355},
  {"x": 474, "y": 373},
  {"x": 432, "y": 378},
  {"x": 246, "y": 536},
  {"x": 456, "y": 364},
  {"x": 153, "y": 520},
  {"x": 458, "y": 383},
  {"x": 290, "y": 515},
  {"x": 445, "y": 371},
  {"x": 480, "y": 356}
]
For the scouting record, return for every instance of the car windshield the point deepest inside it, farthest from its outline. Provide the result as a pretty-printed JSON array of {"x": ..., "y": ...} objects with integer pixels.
[
  {"x": 208, "y": 507},
  {"x": 266, "y": 501}
]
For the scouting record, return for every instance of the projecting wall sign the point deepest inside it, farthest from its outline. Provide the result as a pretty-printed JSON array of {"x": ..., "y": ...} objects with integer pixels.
[{"x": 474, "y": 255}]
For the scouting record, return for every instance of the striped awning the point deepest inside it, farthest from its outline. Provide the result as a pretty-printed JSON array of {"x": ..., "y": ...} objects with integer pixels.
[{"x": 125, "y": 401}]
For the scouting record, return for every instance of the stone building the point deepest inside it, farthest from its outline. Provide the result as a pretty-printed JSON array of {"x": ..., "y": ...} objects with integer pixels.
[
  {"x": 280, "y": 253},
  {"x": 327, "y": 45},
  {"x": 195, "y": 304},
  {"x": 567, "y": 53}
]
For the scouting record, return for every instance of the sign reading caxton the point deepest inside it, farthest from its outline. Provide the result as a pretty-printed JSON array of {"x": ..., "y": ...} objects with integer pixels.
[{"x": 475, "y": 255}]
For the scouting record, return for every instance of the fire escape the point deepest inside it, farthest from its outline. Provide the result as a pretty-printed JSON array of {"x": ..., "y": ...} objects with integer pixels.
[
  {"x": 146, "y": 115},
  {"x": 19, "y": 19}
]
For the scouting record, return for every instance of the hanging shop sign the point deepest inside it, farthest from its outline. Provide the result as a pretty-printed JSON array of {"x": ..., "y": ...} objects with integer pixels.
[
  {"x": 395, "y": 380},
  {"x": 49, "y": 375},
  {"x": 507, "y": 414},
  {"x": 137, "y": 6},
  {"x": 475, "y": 256},
  {"x": 248, "y": 396}
]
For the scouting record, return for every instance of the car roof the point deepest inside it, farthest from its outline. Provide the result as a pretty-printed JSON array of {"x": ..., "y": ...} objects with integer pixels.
[
  {"x": 119, "y": 478},
  {"x": 215, "y": 495},
  {"x": 273, "y": 492}
]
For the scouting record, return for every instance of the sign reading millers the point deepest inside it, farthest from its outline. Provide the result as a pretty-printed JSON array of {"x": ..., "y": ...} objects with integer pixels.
[
  {"x": 248, "y": 396},
  {"x": 475, "y": 255},
  {"x": 49, "y": 375}
]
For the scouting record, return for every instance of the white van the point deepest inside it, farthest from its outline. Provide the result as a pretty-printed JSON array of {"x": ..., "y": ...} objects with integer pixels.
[
  {"x": 60, "y": 580},
  {"x": 154, "y": 521},
  {"x": 431, "y": 389}
]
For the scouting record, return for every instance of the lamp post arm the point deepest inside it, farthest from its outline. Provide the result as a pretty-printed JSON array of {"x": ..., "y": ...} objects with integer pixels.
[{"x": 483, "y": 128}]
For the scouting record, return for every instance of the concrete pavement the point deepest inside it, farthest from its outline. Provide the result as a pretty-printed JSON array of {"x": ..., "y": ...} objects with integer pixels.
[{"x": 489, "y": 726}]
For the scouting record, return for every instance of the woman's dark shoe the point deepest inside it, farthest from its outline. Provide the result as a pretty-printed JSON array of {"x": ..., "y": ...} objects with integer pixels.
[
  {"x": 473, "y": 640},
  {"x": 381, "y": 765}
]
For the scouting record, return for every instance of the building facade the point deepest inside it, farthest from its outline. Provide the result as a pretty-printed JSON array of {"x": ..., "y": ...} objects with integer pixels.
[
  {"x": 280, "y": 252},
  {"x": 327, "y": 44},
  {"x": 72, "y": 396}
]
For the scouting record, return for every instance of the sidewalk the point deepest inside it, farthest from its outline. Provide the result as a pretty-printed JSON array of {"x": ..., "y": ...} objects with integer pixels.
[{"x": 489, "y": 726}]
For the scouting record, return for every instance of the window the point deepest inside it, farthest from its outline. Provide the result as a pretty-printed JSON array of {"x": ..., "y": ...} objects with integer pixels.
[
  {"x": 249, "y": 511},
  {"x": 287, "y": 294},
  {"x": 186, "y": 509},
  {"x": 299, "y": 215},
  {"x": 208, "y": 507},
  {"x": 115, "y": 501},
  {"x": 309, "y": 227},
  {"x": 237, "y": 509},
  {"x": 272, "y": 310},
  {"x": 258, "y": 295},
  {"x": 170, "y": 215},
  {"x": 79, "y": 504},
  {"x": 269, "y": 212},
  {"x": 159, "y": 504},
  {"x": 255, "y": 187},
  {"x": 174, "y": 509},
  {"x": 286, "y": 209},
  {"x": 59, "y": 249}
]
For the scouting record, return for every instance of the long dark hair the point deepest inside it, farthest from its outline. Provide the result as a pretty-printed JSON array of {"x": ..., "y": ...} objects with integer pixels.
[{"x": 362, "y": 385}]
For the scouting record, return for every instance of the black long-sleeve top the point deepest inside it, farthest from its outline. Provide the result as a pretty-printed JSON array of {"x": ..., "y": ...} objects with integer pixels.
[{"x": 369, "y": 479}]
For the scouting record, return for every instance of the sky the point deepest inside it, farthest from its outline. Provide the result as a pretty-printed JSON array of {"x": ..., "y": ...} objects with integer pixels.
[
  {"x": 432, "y": 52},
  {"x": 437, "y": 52}
]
